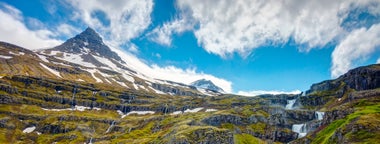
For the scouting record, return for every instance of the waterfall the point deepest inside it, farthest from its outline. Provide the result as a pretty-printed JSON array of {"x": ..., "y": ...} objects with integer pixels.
[
  {"x": 290, "y": 104},
  {"x": 90, "y": 141},
  {"x": 319, "y": 115},
  {"x": 111, "y": 126},
  {"x": 300, "y": 129}
]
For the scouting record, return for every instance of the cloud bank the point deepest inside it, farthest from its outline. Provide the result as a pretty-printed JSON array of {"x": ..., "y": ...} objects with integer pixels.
[
  {"x": 14, "y": 30},
  {"x": 261, "y": 92},
  {"x": 224, "y": 27},
  {"x": 356, "y": 47},
  {"x": 118, "y": 20}
]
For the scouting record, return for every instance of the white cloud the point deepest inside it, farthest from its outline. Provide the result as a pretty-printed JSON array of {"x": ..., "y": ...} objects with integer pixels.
[
  {"x": 127, "y": 19},
  {"x": 224, "y": 27},
  {"x": 163, "y": 34},
  {"x": 261, "y": 92},
  {"x": 378, "y": 61},
  {"x": 13, "y": 30},
  {"x": 356, "y": 47},
  {"x": 67, "y": 30},
  {"x": 171, "y": 72},
  {"x": 240, "y": 26}
]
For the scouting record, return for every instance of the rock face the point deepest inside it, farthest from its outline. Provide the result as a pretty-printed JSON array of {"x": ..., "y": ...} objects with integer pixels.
[
  {"x": 205, "y": 136},
  {"x": 362, "y": 78},
  {"x": 217, "y": 120},
  {"x": 87, "y": 41}
]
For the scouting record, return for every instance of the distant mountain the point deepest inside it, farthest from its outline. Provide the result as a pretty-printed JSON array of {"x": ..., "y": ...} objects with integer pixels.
[{"x": 206, "y": 84}]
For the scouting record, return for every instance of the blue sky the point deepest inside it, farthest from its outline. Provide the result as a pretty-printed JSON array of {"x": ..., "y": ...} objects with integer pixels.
[{"x": 246, "y": 46}]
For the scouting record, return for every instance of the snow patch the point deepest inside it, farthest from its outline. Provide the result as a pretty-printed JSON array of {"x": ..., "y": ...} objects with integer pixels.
[
  {"x": 121, "y": 83},
  {"x": 176, "y": 113},
  {"x": 43, "y": 58},
  {"x": 128, "y": 78},
  {"x": 29, "y": 129},
  {"x": 51, "y": 70},
  {"x": 75, "y": 58},
  {"x": 17, "y": 54},
  {"x": 86, "y": 50},
  {"x": 93, "y": 71},
  {"x": 57, "y": 63},
  {"x": 157, "y": 91},
  {"x": 134, "y": 112},
  {"x": 203, "y": 91},
  {"x": 135, "y": 86},
  {"x": 211, "y": 110},
  {"x": 140, "y": 112},
  {"x": 193, "y": 110},
  {"x": 121, "y": 113},
  {"x": 78, "y": 108},
  {"x": 5, "y": 57}
]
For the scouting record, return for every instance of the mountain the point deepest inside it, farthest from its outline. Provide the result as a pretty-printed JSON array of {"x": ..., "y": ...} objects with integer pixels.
[
  {"x": 207, "y": 85},
  {"x": 88, "y": 42},
  {"x": 86, "y": 57},
  {"x": 59, "y": 95}
]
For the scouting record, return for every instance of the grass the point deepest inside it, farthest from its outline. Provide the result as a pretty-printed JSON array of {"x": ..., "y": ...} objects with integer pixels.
[
  {"x": 324, "y": 135},
  {"x": 247, "y": 139},
  {"x": 258, "y": 127}
]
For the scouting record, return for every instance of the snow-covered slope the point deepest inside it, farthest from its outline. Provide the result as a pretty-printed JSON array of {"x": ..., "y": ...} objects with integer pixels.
[{"x": 87, "y": 53}]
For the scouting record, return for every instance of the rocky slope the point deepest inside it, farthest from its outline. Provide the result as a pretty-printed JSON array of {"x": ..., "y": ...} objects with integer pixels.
[{"x": 68, "y": 94}]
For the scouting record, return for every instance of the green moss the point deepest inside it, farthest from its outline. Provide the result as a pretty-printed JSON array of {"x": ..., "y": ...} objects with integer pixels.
[
  {"x": 324, "y": 135},
  {"x": 227, "y": 126},
  {"x": 258, "y": 127},
  {"x": 247, "y": 139}
]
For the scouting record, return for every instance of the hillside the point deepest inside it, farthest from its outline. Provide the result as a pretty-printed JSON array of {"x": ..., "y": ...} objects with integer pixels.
[{"x": 82, "y": 92}]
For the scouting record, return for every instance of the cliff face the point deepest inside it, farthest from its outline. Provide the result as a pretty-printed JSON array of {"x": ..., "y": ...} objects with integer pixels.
[
  {"x": 362, "y": 78},
  {"x": 350, "y": 103}
]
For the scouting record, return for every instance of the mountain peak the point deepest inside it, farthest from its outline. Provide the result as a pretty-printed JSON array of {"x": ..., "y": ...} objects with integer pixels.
[
  {"x": 87, "y": 42},
  {"x": 91, "y": 34},
  {"x": 206, "y": 84}
]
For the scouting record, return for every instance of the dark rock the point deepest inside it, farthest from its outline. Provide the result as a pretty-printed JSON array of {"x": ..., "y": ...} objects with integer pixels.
[{"x": 217, "y": 120}]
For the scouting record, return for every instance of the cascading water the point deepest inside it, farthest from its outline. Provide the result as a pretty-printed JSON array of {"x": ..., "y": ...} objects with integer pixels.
[
  {"x": 290, "y": 104},
  {"x": 111, "y": 126},
  {"x": 90, "y": 141},
  {"x": 319, "y": 115},
  {"x": 301, "y": 129}
]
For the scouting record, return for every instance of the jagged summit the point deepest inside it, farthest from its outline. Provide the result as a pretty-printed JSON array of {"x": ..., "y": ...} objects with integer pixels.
[
  {"x": 206, "y": 84},
  {"x": 87, "y": 42}
]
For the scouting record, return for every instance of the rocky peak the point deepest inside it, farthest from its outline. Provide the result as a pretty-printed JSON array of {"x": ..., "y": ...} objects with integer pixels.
[
  {"x": 206, "y": 84},
  {"x": 87, "y": 42}
]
